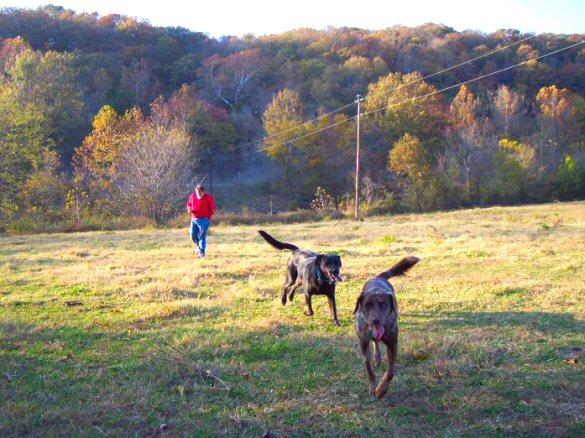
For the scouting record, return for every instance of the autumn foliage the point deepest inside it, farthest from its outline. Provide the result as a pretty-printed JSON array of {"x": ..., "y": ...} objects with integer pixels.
[{"x": 258, "y": 117}]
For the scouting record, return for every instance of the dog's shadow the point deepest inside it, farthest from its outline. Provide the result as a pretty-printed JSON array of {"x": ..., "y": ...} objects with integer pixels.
[{"x": 545, "y": 322}]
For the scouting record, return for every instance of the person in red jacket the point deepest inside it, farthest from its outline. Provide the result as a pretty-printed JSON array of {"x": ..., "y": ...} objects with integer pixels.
[{"x": 201, "y": 205}]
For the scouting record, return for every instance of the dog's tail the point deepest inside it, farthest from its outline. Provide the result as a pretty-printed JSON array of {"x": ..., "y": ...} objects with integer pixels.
[
  {"x": 275, "y": 243},
  {"x": 400, "y": 268}
]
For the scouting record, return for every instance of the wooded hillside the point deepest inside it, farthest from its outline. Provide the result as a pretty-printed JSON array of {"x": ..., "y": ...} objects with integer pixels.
[{"x": 78, "y": 92}]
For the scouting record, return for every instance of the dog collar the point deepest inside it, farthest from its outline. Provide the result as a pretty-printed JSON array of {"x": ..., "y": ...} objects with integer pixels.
[{"x": 320, "y": 274}]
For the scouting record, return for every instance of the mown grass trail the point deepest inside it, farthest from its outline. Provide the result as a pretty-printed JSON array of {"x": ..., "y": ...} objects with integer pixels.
[{"x": 90, "y": 324}]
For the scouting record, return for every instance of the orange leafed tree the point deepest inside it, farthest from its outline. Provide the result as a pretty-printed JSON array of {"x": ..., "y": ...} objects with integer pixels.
[
  {"x": 463, "y": 109},
  {"x": 10, "y": 49},
  {"x": 96, "y": 158},
  {"x": 506, "y": 107},
  {"x": 410, "y": 105},
  {"x": 557, "y": 111},
  {"x": 409, "y": 159},
  {"x": 285, "y": 113}
]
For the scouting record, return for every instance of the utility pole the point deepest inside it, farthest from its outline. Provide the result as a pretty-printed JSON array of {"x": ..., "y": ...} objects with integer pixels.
[{"x": 358, "y": 100}]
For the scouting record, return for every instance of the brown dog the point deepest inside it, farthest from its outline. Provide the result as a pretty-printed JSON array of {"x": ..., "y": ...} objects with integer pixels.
[{"x": 376, "y": 319}]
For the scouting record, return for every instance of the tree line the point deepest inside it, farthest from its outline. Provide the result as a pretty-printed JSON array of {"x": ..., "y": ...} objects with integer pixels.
[{"x": 110, "y": 117}]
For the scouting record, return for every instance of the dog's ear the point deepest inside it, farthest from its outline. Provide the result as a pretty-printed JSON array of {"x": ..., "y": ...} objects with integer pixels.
[
  {"x": 358, "y": 304},
  {"x": 319, "y": 259},
  {"x": 393, "y": 304},
  {"x": 338, "y": 259}
]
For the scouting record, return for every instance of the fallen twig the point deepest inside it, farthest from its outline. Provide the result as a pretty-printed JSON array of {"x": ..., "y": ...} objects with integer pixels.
[{"x": 203, "y": 373}]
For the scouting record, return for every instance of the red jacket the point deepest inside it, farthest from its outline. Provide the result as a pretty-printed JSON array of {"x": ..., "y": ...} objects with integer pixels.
[{"x": 200, "y": 208}]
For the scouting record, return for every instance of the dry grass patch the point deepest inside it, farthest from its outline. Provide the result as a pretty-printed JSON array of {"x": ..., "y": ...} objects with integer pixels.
[{"x": 94, "y": 327}]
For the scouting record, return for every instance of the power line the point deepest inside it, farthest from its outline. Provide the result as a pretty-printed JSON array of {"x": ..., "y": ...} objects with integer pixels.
[
  {"x": 419, "y": 97},
  {"x": 266, "y": 137},
  {"x": 309, "y": 121},
  {"x": 456, "y": 65},
  {"x": 358, "y": 101},
  {"x": 263, "y": 139},
  {"x": 475, "y": 79},
  {"x": 300, "y": 137}
]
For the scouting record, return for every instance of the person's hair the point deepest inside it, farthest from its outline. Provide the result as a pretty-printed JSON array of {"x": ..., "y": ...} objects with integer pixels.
[{"x": 199, "y": 186}]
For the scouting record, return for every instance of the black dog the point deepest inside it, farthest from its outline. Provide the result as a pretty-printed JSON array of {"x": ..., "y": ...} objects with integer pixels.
[{"x": 317, "y": 273}]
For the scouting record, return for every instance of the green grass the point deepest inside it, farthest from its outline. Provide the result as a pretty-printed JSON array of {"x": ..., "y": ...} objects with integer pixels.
[{"x": 154, "y": 340}]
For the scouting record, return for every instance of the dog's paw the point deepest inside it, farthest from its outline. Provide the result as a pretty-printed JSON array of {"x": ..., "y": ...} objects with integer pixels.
[
  {"x": 308, "y": 313},
  {"x": 336, "y": 322}
]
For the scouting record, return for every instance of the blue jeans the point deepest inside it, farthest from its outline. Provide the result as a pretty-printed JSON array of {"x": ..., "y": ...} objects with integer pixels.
[{"x": 199, "y": 229}]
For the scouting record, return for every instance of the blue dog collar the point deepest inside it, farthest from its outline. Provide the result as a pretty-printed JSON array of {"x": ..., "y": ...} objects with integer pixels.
[{"x": 320, "y": 274}]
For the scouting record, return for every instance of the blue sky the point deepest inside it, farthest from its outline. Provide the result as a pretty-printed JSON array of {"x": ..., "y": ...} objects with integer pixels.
[{"x": 229, "y": 17}]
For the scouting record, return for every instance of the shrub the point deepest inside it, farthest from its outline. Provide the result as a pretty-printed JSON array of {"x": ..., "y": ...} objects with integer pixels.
[
  {"x": 322, "y": 200},
  {"x": 44, "y": 190},
  {"x": 570, "y": 179},
  {"x": 384, "y": 205},
  {"x": 154, "y": 172},
  {"x": 77, "y": 203},
  {"x": 514, "y": 162},
  {"x": 388, "y": 240},
  {"x": 34, "y": 225}
]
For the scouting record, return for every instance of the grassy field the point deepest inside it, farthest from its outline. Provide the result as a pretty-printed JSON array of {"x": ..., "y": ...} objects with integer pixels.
[{"x": 115, "y": 333}]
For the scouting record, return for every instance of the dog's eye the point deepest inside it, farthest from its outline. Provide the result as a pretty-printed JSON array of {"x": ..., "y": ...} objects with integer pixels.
[
  {"x": 383, "y": 305},
  {"x": 368, "y": 305}
]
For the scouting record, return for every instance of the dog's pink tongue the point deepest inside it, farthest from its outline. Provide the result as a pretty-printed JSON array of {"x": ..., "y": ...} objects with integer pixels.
[{"x": 379, "y": 333}]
